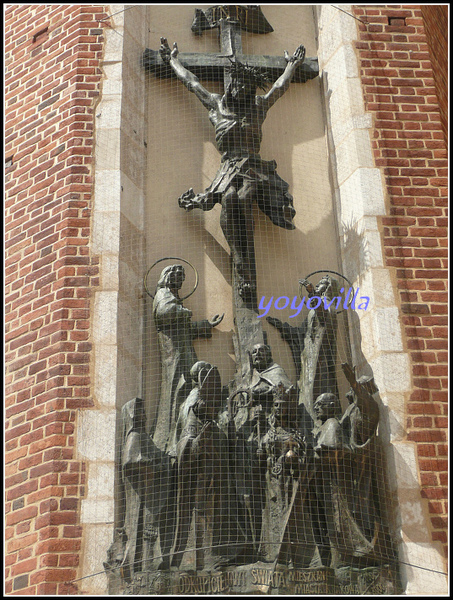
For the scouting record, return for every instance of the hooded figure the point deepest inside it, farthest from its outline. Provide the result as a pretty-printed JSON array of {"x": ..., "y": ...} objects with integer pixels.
[
  {"x": 351, "y": 530},
  {"x": 138, "y": 461},
  {"x": 203, "y": 474}
]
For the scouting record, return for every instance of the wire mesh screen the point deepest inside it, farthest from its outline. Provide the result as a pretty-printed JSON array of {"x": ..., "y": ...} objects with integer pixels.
[{"x": 248, "y": 457}]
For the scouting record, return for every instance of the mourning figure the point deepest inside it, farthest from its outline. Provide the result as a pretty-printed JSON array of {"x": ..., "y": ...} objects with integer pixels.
[
  {"x": 237, "y": 117},
  {"x": 176, "y": 332},
  {"x": 197, "y": 373},
  {"x": 361, "y": 418},
  {"x": 347, "y": 521},
  {"x": 138, "y": 462},
  {"x": 360, "y": 423},
  {"x": 202, "y": 473}
]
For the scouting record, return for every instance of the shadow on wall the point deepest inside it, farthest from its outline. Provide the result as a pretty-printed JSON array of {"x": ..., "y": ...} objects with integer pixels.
[{"x": 356, "y": 251}]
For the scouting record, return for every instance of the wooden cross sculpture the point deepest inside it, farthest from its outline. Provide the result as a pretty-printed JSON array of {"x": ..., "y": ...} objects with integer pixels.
[{"x": 237, "y": 116}]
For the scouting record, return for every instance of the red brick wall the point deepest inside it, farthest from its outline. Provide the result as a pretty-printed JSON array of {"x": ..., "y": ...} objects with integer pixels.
[
  {"x": 52, "y": 72},
  {"x": 435, "y": 20},
  {"x": 409, "y": 147},
  {"x": 52, "y": 81}
]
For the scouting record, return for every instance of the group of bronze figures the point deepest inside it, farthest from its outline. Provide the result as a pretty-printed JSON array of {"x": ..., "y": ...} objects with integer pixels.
[
  {"x": 259, "y": 470},
  {"x": 234, "y": 475}
]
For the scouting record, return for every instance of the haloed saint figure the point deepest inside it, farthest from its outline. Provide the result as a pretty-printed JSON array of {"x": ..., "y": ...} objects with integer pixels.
[{"x": 176, "y": 332}]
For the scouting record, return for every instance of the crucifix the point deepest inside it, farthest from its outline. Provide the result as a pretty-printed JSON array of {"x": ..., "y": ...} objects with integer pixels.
[{"x": 237, "y": 115}]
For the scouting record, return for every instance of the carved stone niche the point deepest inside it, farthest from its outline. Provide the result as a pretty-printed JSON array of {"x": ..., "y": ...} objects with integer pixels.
[{"x": 261, "y": 485}]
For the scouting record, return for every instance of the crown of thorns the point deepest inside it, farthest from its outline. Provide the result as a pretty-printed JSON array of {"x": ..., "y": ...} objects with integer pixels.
[{"x": 244, "y": 72}]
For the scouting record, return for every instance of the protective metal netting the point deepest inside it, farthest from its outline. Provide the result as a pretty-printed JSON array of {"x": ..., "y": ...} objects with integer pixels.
[{"x": 223, "y": 463}]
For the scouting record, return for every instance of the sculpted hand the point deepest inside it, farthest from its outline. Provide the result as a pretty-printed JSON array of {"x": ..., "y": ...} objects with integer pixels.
[
  {"x": 186, "y": 200},
  {"x": 216, "y": 320},
  {"x": 275, "y": 322},
  {"x": 175, "y": 51},
  {"x": 307, "y": 285},
  {"x": 298, "y": 56},
  {"x": 165, "y": 51}
]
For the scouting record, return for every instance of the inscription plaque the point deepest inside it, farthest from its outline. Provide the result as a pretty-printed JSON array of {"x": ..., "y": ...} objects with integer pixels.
[{"x": 264, "y": 579}]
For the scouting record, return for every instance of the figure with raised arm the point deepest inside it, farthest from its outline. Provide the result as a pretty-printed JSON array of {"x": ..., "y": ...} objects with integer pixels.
[
  {"x": 237, "y": 117},
  {"x": 176, "y": 332}
]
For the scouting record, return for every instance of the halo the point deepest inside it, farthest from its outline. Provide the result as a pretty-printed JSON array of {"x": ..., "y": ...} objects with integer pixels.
[
  {"x": 145, "y": 280},
  {"x": 335, "y": 273}
]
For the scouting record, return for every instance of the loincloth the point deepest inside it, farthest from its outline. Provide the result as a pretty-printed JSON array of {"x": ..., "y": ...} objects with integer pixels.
[{"x": 271, "y": 192}]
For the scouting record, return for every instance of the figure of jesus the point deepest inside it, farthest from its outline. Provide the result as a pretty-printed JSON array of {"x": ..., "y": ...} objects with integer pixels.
[{"x": 237, "y": 117}]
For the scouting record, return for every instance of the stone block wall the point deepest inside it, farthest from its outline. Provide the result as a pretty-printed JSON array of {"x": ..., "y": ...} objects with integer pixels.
[
  {"x": 53, "y": 59},
  {"x": 398, "y": 74}
]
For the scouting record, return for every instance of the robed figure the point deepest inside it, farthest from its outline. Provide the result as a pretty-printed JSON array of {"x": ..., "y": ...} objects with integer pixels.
[
  {"x": 287, "y": 536},
  {"x": 138, "y": 463},
  {"x": 176, "y": 332},
  {"x": 203, "y": 479},
  {"x": 249, "y": 410},
  {"x": 350, "y": 526},
  {"x": 313, "y": 343}
]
